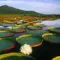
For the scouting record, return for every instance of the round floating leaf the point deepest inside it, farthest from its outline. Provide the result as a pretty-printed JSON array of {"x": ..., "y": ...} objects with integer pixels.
[
  {"x": 37, "y": 33},
  {"x": 56, "y": 58},
  {"x": 52, "y": 38},
  {"x": 5, "y": 33},
  {"x": 34, "y": 27},
  {"x": 54, "y": 30},
  {"x": 15, "y": 56},
  {"x": 29, "y": 39},
  {"x": 6, "y": 44}
]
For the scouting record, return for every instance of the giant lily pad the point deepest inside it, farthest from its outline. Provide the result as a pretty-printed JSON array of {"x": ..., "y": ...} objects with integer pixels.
[
  {"x": 51, "y": 38},
  {"x": 34, "y": 27},
  {"x": 15, "y": 56},
  {"x": 40, "y": 25},
  {"x": 6, "y": 44},
  {"x": 5, "y": 33},
  {"x": 38, "y": 33},
  {"x": 54, "y": 30},
  {"x": 56, "y": 58},
  {"x": 18, "y": 29},
  {"x": 29, "y": 39}
]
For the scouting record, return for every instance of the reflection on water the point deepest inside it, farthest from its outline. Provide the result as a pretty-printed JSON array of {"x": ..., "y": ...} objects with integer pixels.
[{"x": 55, "y": 23}]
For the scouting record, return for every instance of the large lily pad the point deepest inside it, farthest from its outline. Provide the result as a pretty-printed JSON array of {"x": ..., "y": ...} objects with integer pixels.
[
  {"x": 54, "y": 30},
  {"x": 15, "y": 56},
  {"x": 56, "y": 58},
  {"x": 20, "y": 28},
  {"x": 29, "y": 39},
  {"x": 52, "y": 38},
  {"x": 6, "y": 44},
  {"x": 34, "y": 27},
  {"x": 37, "y": 33},
  {"x": 5, "y": 33}
]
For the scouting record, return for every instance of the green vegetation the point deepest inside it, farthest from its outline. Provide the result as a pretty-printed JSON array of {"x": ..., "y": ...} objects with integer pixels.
[
  {"x": 11, "y": 14},
  {"x": 10, "y": 10}
]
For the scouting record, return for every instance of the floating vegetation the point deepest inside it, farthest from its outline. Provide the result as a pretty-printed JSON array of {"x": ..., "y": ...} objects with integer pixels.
[
  {"x": 15, "y": 56},
  {"x": 26, "y": 37},
  {"x": 30, "y": 40}
]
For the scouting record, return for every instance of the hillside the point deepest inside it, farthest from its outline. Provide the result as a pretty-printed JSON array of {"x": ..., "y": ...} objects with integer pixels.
[
  {"x": 11, "y": 10},
  {"x": 11, "y": 14}
]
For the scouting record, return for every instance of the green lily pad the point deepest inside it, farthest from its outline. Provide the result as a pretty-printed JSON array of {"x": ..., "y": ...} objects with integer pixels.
[
  {"x": 34, "y": 27},
  {"x": 52, "y": 38},
  {"x": 6, "y": 44},
  {"x": 16, "y": 56},
  {"x": 4, "y": 33},
  {"x": 55, "y": 30},
  {"x": 29, "y": 40},
  {"x": 37, "y": 33}
]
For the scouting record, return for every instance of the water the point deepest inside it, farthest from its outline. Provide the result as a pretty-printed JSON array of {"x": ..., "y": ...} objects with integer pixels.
[{"x": 55, "y": 23}]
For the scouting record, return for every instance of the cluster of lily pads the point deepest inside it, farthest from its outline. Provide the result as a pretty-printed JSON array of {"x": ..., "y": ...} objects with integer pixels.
[{"x": 28, "y": 36}]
